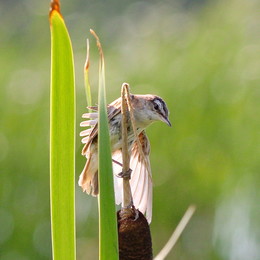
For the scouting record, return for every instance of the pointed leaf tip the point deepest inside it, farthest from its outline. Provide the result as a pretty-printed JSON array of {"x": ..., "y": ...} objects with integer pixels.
[
  {"x": 98, "y": 43},
  {"x": 87, "y": 57},
  {"x": 54, "y": 6}
]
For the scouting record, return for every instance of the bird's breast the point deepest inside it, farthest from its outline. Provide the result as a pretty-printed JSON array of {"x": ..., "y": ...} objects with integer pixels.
[{"x": 116, "y": 133}]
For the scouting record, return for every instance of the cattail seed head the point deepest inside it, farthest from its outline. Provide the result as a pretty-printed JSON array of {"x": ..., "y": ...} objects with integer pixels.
[{"x": 134, "y": 235}]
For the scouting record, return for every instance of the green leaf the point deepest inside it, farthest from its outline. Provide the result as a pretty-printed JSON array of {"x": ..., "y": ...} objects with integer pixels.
[
  {"x": 108, "y": 235},
  {"x": 62, "y": 140}
]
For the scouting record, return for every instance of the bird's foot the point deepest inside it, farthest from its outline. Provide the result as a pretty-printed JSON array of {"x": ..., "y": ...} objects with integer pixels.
[
  {"x": 126, "y": 174},
  {"x": 129, "y": 212},
  {"x": 136, "y": 214}
]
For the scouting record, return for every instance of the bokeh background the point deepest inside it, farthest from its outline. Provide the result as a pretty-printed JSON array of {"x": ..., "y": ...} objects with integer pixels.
[{"x": 202, "y": 57}]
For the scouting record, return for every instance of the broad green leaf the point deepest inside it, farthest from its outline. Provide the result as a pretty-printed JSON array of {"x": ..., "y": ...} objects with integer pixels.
[{"x": 62, "y": 140}]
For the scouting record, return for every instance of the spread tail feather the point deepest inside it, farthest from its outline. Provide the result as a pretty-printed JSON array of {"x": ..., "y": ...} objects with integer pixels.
[{"x": 88, "y": 179}]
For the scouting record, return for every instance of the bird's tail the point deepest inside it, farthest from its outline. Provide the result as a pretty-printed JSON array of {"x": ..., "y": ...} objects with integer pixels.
[{"x": 88, "y": 179}]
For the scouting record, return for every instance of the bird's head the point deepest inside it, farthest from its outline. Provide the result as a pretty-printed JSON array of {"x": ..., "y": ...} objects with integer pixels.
[{"x": 150, "y": 108}]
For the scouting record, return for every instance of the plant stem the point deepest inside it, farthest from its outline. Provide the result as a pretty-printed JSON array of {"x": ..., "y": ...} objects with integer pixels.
[{"x": 127, "y": 194}]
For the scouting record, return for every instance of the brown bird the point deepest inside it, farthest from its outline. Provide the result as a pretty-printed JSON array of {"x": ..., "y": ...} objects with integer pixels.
[{"x": 146, "y": 109}]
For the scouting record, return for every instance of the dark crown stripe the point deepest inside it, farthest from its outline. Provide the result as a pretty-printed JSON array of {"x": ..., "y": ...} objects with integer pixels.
[{"x": 165, "y": 110}]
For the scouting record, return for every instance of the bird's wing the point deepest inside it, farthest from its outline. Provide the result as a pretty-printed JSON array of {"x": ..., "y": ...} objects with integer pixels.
[
  {"x": 141, "y": 180},
  {"x": 89, "y": 135}
]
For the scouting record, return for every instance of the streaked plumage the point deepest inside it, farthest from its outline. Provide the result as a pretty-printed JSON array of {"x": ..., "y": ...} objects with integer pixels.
[{"x": 147, "y": 109}]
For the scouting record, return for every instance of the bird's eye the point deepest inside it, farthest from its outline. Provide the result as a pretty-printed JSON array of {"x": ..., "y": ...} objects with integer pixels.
[{"x": 156, "y": 106}]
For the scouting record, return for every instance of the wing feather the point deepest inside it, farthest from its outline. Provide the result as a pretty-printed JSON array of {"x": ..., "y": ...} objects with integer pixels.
[
  {"x": 118, "y": 182},
  {"x": 141, "y": 181}
]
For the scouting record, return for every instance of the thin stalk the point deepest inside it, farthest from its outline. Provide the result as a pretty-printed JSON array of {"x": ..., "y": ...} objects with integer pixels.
[
  {"x": 132, "y": 119},
  {"x": 176, "y": 234},
  {"x": 127, "y": 194},
  {"x": 86, "y": 78}
]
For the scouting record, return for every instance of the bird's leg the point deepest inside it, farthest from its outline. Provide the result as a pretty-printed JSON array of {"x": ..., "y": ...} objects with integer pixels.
[
  {"x": 126, "y": 174},
  {"x": 115, "y": 161}
]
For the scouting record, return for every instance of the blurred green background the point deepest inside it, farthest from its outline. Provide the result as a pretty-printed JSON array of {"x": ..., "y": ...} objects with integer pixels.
[{"x": 202, "y": 57}]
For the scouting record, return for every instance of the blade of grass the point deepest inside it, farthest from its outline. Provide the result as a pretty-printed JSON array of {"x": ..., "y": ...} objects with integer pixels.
[
  {"x": 108, "y": 237},
  {"x": 86, "y": 78},
  {"x": 176, "y": 234},
  {"x": 62, "y": 142}
]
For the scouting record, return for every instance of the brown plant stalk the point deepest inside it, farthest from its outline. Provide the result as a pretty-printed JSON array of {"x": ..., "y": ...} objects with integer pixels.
[{"x": 133, "y": 230}]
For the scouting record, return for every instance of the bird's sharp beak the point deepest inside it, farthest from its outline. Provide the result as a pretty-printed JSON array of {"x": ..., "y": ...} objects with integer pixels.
[{"x": 166, "y": 120}]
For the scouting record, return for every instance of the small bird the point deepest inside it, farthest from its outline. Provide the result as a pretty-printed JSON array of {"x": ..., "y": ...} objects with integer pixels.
[{"x": 146, "y": 110}]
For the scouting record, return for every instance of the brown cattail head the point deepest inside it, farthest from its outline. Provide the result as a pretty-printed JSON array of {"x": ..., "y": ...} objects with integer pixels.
[{"x": 134, "y": 235}]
